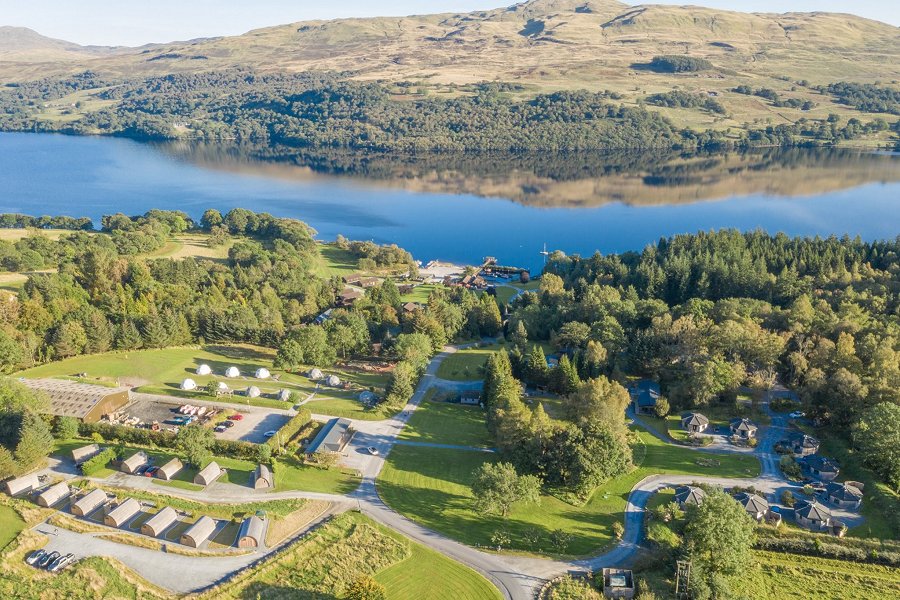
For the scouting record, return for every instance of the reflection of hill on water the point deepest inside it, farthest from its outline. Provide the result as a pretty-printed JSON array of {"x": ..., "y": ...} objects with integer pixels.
[{"x": 569, "y": 180}]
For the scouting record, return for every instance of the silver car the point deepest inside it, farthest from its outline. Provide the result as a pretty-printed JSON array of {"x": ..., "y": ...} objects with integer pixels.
[
  {"x": 61, "y": 563},
  {"x": 35, "y": 556}
]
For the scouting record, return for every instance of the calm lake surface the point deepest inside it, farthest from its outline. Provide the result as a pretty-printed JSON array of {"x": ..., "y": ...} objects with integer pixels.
[{"x": 472, "y": 208}]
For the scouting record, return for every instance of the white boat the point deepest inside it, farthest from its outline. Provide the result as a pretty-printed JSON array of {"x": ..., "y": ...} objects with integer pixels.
[{"x": 202, "y": 411}]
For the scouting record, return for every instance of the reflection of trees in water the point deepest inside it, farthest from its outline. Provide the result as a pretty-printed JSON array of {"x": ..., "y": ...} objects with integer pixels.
[{"x": 548, "y": 178}]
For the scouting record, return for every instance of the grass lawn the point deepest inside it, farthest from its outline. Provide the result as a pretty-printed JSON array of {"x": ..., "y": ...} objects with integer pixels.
[
  {"x": 421, "y": 293},
  {"x": 10, "y": 525},
  {"x": 336, "y": 406},
  {"x": 466, "y": 365},
  {"x": 447, "y": 423},
  {"x": 414, "y": 578},
  {"x": 161, "y": 371},
  {"x": 505, "y": 293},
  {"x": 335, "y": 262},
  {"x": 182, "y": 485},
  {"x": 293, "y": 475},
  {"x": 325, "y": 563},
  {"x": 432, "y": 486}
]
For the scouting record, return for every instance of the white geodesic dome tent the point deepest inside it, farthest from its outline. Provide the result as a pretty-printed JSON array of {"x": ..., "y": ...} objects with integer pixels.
[
  {"x": 333, "y": 380},
  {"x": 232, "y": 372},
  {"x": 366, "y": 397},
  {"x": 263, "y": 373},
  {"x": 204, "y": 370},
  {"x": 189, "y": 384},
  {"x": 316, "y": 374},
  {"x": 253, "y": 392},
  {"x": 284, "y": 395}
]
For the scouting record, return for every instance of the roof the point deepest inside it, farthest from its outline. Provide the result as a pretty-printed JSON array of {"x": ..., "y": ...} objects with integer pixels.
[
  {"x": 740, "y": 424},
  {"x": 22, "y": 484},
  {"x": 209, "y": 473},
  {"x": 201, "y": 530},
  {"x": 55, "y": 493},
  {"x": 821, "y": 463},
  {"x": 332, "y": 437},
  {"x": 172, "y": 467},
  {"x": 253, "y": 527},
  {"x": 85, "y": 452},
  {"x": 91, "y": 501},
  {"x": 806, "y": 441},
  {"x": 752, "y": 503},
  {"x": 812, "y": 510},
  {"x": 645, "y": 392},
  {"x": 843, "y": 492},
  {"x": 124, "y": 510},
  {"x": 135, "y": 460},
  {"x": 350, "y": 295},
  {"x": 162, "y": 519},
  {"x": 688, "y": 494},
  {"x": 695, "y": 419},
  {"x": 71, "y": 398}
]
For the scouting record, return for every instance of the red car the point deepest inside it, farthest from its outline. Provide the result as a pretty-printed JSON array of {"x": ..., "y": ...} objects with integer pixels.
[
  {"x": 236, "y": 417},
  {"x": 151, "y": 471}
]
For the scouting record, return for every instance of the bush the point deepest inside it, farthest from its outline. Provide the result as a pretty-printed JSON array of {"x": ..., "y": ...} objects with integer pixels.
[
  {"x": 291, "y": 428},
  {"x": 98, "y": 462},
  {"x": 790, "y": 467},
  {"x": 787, "y": 498},
  {"x": 65, "y": 428}
]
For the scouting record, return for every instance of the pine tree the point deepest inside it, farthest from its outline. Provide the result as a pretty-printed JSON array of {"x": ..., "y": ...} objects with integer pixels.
[
  {"x": 99, "y": 333},
  {"x": 536, "y": 370},
  {"x": 490, "y": 320},
  {"x": 519, "y": 336},
  {"x": 8, "y": 465},
  {"x": 35, "y": 441},
  {"x": 128, "y": 337}
]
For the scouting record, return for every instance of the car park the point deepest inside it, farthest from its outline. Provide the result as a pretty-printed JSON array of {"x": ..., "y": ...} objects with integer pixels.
[
  {"x": 228, "y": 424},
  {"x": 35, "y": 556},
  {"x": 46, "y": 560},
  {"x": 220, "y": 428}
]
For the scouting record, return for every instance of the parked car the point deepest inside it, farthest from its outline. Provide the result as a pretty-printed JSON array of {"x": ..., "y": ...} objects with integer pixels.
[
  {"x": 151, "y": 471},
  {"x": 142, "y": 470},
  {"x": 62, "y": 563},
  {"x": 47, "y": 559},
  {"x": 228, "y": 424},
  {"x": 57, "y": 564},
  {"x": 797, "y": 414},
  {"x": 269, "y": 434},
  {"x": 373, "y": 450},
  {"x": 236, "y": 417},
  {"x": 220, "y": 428},
  {"x": 36, "y": 556}
]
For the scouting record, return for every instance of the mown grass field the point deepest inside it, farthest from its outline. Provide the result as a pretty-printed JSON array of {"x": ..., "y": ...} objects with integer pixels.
[
  {"x": 447, "y": 423},
  {"x": 466, "y": 365},
  {"x": 433, "y": 487},
  {"x": 421, "y": 293},
  {"x": 161, "y": 371},
  {"x": 325, "y": 563}
]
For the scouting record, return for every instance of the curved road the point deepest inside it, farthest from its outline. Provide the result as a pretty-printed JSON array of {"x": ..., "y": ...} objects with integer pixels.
[{"x": 517, "y": 577}]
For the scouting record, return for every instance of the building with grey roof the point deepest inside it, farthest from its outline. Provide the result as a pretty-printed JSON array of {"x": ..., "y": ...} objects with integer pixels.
[{"x": 334, "y": 437}]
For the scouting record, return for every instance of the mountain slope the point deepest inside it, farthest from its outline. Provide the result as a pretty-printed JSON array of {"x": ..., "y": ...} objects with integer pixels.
[{"x": 541, "y": 46}]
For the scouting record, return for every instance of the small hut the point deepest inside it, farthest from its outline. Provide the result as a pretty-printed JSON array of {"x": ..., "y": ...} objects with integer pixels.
[
  {"x": 189, "y": 384},
  {"x": 333, "y": 381},
  {"x": 232, "y": 372},
  {"x": 199, "y": 532},
  {"x": 89, "y": 503},
  {"x": 134, "y": 462},
  {"x": 253, "y": 392},
  {"x": 316, "y": 374},
  {"x": 204, "y": 370},
  {"x": 756, "y": 506},
  {"x": 262, "y": 373},
  {"x": 79, "y": 455},
  {"x": 21, "y": 485},
  {"x": 262, "y": 478},
  {"x": 252, "y": 533},
  {"x": 170, "y": 469},
  {"x": 285, "y": 395},
  {"x": 54, "y": 494},
  {"x": 159, "y": 522},
  {"x": 121, "y": 514},
  {"x": 812, "y": 515},
  {"x": 208, "y": 474}
]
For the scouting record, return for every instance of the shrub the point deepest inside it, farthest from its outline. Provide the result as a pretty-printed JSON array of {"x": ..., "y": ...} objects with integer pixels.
[
  {"x": 98, "y": 462},
  {"x": 291, "y": 428},
  {"x": 787, "y": 498},
  {"x": 790, "y": 467}
]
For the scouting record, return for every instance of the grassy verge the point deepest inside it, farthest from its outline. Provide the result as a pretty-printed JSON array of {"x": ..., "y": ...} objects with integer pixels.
[
  {"x": 294, "y": 475},
  {"x": 433, "y": 486},
  {"x": 447, "y": 423}
]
